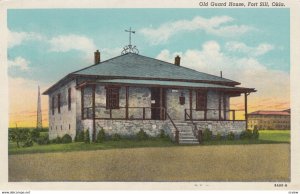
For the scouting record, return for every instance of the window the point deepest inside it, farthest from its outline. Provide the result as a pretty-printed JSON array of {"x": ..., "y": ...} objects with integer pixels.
[
  {"x": 112, "y": 97},
  {"x": 201, "y": 98},
  {"x": 69, "y": 98},
  {"x": 52, "y": 105},
  {"x": 58, "y": 103}
]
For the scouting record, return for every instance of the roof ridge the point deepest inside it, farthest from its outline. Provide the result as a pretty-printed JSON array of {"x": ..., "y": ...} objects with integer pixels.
[
  {"x": 98, "y": 63},
  {"x": 185, "y": 67}
]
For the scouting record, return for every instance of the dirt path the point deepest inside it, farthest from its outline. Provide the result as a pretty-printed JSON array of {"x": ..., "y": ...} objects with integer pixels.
[{"x": 268, "y": 162}]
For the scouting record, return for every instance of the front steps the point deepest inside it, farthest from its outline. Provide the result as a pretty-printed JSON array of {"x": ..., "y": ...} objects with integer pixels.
[{"x": 186, "y": 135}]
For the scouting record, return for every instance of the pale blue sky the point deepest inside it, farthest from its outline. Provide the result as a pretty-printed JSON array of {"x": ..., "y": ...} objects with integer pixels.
[{"x": 105, "y": 29}]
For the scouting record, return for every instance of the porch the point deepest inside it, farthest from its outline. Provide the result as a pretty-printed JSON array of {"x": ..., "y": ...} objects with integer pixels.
[{"x": 170, "y": 106}]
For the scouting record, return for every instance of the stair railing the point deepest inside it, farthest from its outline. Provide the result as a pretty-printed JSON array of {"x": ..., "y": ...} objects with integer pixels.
[
  {"x": 176, "y": 129},
  {"x": 197, "y": 133}
]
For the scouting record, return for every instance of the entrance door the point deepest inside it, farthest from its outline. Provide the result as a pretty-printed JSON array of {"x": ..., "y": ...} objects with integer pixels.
[{"x": 157, "y": 97}]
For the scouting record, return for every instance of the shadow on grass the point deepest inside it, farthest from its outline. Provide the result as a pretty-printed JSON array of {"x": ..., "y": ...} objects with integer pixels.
[
  {"x": 125, "y": 143},
  {"x": 243, "y": 142}
]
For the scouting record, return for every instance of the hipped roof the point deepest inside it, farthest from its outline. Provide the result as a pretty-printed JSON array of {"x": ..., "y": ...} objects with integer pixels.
[{"x": 137, "y": 67}]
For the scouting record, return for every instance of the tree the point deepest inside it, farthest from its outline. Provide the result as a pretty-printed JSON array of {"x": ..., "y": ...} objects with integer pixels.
[
  {"x": 87, "y": 136},
  {"x": 19, "y": 135}
]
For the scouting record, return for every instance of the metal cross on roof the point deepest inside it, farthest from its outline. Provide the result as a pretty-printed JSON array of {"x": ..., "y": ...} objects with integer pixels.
[
  {"x": 130, "y": 31},
  {"x": 130, "y": 48}
]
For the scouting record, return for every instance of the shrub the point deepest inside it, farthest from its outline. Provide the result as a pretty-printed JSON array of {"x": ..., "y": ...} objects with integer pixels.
[
  {"x": 255, "y": 134},
  {"x": 79, "y": 136},
  {"x": 43, "y": 140},
  {"x": 247, "y": 134},
  {"x": 115, "y": 137},
  {"x": 207, "y": 134},
  {"x": 66, "y": 139},
  {"x": 100, "y": 136},
  {"x": 28, "y": 143},
  {"x": 218, "y": 136},
  {"x": 162, "y": 134},
  {"x": 87, "y": 136},
  {"x": 19, "y": 135},
  {"x": 230, "y": 136},
  {"x": 142, "y": 135},
  {"x": 242, "y": 135},
  {"x": 57, "y": 140},
  {"x": 35, "y": 134}
]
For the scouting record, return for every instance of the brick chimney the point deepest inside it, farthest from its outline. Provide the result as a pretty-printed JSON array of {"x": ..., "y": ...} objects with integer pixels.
[
  {"x": 177, "y": 60},
  {"x": 97, "y": 57}
]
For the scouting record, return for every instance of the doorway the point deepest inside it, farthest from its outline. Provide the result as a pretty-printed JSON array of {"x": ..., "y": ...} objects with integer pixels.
[{"x": 157, "y": 101}]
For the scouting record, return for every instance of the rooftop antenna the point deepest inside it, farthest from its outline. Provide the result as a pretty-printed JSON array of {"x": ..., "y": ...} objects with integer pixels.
[
  {"x": 130, "y": 48},
  {"x": 39, "y": 124}
]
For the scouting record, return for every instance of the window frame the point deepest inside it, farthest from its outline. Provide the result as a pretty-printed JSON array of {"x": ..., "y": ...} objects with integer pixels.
[
  {"x": 201, "y": 100},
  {"x": 112, "y": 97},
  {"x": 53, "y": 104},
  {"x": 58, "y": 102},
  {"x": 69, "y": 99}
]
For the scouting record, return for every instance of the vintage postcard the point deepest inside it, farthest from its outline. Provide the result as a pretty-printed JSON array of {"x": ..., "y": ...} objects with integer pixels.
[{"x": 115, "y": 95}]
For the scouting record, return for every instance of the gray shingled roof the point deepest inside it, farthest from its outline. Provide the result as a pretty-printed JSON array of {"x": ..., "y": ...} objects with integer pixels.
[{"x": 132, "y": 66}]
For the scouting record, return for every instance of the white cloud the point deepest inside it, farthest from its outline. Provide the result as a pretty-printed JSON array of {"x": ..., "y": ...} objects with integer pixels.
[
  {"x": 107, "y": 53},
  {"x": 19, "y": 62},
  {"x": 251, "y": 51},
  {"x": 249, "y": 71},
  {"x": 17, "y": 38},
  {"x": 216, "y": 25},
  {"x": 61, "y": 43},
  {"x": 64, "y": 43}
]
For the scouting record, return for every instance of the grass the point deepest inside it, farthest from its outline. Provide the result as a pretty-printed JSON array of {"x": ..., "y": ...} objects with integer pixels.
[
  {"x": 77, "y": 146},
  {"x": 275, "y": 135},
  {"x": 265, "y": 137},
  {"x": 260, "y": 162}
]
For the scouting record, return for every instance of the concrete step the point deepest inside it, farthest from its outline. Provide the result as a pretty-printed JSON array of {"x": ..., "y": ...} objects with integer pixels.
[
  {"x": 186, "y": 133},
  {"x": 188, "y": 137},
  {"x": 181, "y": 124},
  {"x": 188, "y": 142}
]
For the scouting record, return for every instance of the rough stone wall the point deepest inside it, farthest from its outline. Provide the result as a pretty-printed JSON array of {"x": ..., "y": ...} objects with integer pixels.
[
  {"x": 64, "y": 122},
  {"x": 141, "y": 97},
  {"x": 78, "y": 110},
  {"x": 174, "y": 108},
  {"x": 138, "y": 97},
  {"x": 212, "y": 103},
  {"x": 222, "y": 127},
  {"x": 128, "y": 128},
  {"x": 87, "y": 124},
  {"x": 176, "y": 111}
]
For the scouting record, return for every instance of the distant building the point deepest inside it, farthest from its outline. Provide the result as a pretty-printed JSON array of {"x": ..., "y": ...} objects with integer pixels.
[{"x": 270, "y": 119}]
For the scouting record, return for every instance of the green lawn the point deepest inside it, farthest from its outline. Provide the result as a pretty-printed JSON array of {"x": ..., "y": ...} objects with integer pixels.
[
  {"x": 275, "y": 135},
  {"x": 77, "y": 146},
  {"x": 265, "y": 137}
]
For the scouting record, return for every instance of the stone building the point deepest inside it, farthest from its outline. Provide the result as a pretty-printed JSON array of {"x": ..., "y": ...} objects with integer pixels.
[
  {"x": 263, "y": 119},
  {"x": 131, "y": 92}
]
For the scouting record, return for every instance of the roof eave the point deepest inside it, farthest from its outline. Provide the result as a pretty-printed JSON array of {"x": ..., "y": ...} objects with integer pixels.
[
  {"x": 69, "y": 76},
  {"x": 240, "y": 90}
]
